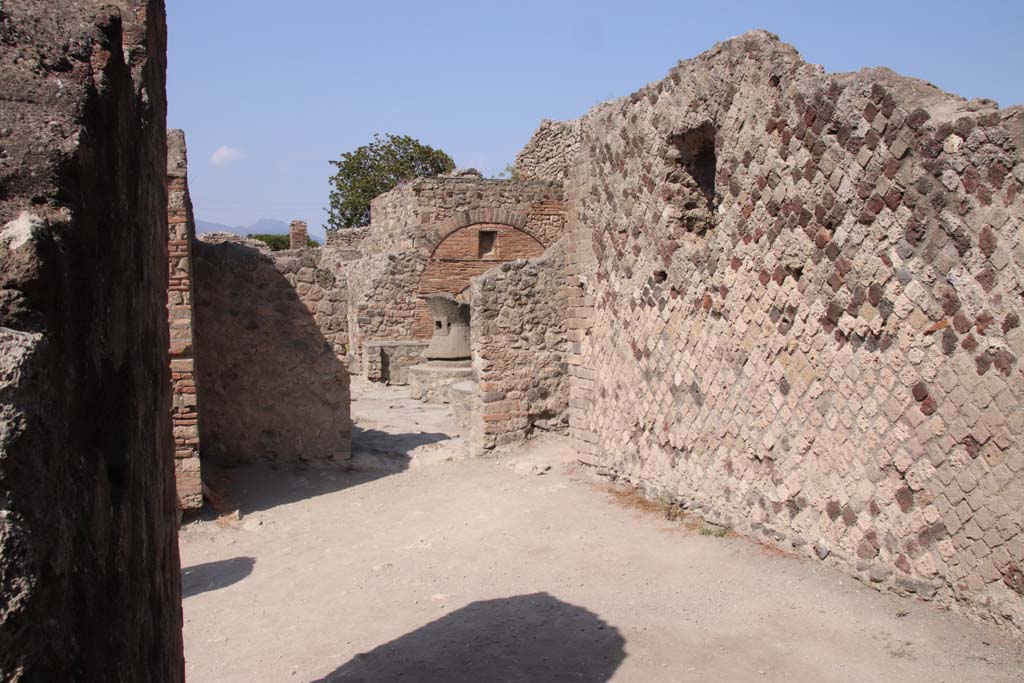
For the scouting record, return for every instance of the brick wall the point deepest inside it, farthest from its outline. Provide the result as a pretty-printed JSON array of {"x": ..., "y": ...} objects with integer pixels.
[
  {"x": 799, "y": 314},
  {"x": 180, "y": 295},
  {"x": 519, "y": 350}
]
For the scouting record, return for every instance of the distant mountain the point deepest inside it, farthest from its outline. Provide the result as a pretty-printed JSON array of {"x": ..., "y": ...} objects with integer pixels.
[{"x": 270, "y": 226}]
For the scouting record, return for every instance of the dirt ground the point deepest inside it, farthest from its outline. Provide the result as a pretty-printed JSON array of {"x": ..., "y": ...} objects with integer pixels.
[{"x": 422, "y": 565}]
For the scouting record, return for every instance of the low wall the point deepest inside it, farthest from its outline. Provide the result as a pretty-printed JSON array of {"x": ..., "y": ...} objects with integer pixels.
[
  {"x": 389, "y": 361},
  {"x": 271, "y": 385}
]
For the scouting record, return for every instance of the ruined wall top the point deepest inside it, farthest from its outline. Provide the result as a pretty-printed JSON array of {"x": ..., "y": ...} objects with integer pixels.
[
  {"x": 709, "y": 82},
  {"x": 417, "y": 213},
  {"x": 298, "y": 234},
  {"x": 177, "y": 154},
  {"x": 546, "y": 156}
]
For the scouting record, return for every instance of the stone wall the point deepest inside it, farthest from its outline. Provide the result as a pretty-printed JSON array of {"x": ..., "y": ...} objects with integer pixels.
[
  {"x": 800, "y": 314},
  {"x": 89, "y": 571},
  {"x": 271, "y": 385},
  {"x": 464, "y": 254},
  {"x": 418, "y": 214},
  {"x": 548, "y": 153},
  {"x": 320, "y": 282},
  {"x": 399, "y": 257},
  {"x": 382, "y": 299},
  {"x": 389, "y": 361},
  {"x": 180, "y": 295},
  {"x": 519, "y": 349}
]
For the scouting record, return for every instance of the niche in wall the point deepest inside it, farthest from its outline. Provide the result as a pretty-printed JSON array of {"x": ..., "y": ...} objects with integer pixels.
[
  {"x": 488, "y": 243},
  {"x": 694, "y": 172}
]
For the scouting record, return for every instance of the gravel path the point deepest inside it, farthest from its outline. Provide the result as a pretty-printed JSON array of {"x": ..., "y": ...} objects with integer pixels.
[{"x": 421, "y": 565}]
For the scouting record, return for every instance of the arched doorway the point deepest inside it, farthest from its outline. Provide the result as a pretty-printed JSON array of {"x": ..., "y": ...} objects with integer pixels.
[{"x": 462, "y": 255}]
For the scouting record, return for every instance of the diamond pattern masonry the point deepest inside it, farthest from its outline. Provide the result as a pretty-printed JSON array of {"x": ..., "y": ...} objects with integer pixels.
[{"x": 798, "y": 312}]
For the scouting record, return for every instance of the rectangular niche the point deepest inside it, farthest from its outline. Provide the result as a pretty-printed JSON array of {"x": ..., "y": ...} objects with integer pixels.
[{"x": 488, "y": 243}]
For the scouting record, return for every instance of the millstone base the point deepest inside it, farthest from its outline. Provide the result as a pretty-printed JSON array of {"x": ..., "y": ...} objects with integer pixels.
[{"x": 429, "y": 382}]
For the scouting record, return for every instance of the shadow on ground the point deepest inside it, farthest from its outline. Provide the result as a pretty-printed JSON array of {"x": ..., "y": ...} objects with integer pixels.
[
  {"x": 264, "y": 485},
  {"x": 211, "y": 576},
  {"x": 523, "y": 639},
  {"x": 376, "y": 449}
]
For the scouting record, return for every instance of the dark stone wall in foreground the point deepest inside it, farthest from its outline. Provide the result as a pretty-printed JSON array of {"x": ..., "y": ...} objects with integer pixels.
[{"x": 89, "y": 571}]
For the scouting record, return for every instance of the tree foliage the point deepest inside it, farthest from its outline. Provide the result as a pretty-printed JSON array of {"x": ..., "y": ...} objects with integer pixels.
[
  {"x": 280, "y": 242},
  {"x": 373, "y": 169}
]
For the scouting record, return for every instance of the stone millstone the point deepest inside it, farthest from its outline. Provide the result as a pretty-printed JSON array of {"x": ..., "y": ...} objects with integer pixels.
[{"x": 451, "y": 328}]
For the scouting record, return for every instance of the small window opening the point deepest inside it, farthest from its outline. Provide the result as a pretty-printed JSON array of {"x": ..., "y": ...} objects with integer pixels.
[
  {"x": 438, "y": 325},
  {"x": 695, "y": 173},
  {"x": 488, "y": 241}
]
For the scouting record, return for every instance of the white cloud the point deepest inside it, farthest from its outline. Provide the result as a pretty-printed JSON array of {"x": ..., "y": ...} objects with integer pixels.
[{"x": 225, "y": 156}]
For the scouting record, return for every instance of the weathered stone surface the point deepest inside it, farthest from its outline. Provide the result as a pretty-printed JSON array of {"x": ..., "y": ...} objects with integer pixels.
[
  {"x": 549, "y": 152},
  {"x": 298, "y": 235},
  {"x": 389, "y": 361},
  {"x": 520, "y": 348},
  {"x": 271, "y": 385},
  {"x": 180, "y": 318},
  {"x": 89, "y": 570},
  {"x": 798, "y": 305},
  {"x": 434, "y": 235},
  {"x": 450, "y": 340},
  {"x": 430, "y": 382}
]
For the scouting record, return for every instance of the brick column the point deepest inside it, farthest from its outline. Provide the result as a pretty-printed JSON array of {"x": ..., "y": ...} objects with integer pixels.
[
  {"x": 297, "y": 233},
  {"x": 180, "y": 297}
]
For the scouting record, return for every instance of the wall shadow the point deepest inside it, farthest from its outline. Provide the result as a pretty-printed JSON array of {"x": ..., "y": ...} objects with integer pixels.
[
  {"x": 270, "y": 385},
  {"x": 254, "y": 487},
  {"x": 211, "y": 576},
  {"x": 522, "y": 639},
  {"x": 373, "y": 448}
]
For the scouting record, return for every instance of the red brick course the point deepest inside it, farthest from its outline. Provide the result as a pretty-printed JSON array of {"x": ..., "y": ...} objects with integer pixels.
[{"x": 180, "y": 296}]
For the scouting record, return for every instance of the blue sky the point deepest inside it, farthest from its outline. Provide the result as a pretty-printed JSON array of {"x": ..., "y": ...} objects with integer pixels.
[{"x": 268, "y": 92}]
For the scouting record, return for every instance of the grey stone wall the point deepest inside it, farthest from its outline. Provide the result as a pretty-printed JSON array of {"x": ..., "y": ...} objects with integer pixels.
[
  {"x": 384, "y": 263},
  {"x": 271, "y": 385},
  {"x": 382, "y": 299},
  {"x": 89, "y": 571},
  {"x": 320, "y": 281},
  {"x": 519, "y": 349},
  {"x": 549, "y": 153},
  {"x": 416, "y": 215},
  {"x": 801, "y": 315},
  {"x": 389, "y": 361}
]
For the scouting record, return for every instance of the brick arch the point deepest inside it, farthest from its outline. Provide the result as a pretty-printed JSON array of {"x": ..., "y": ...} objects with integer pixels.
[
  {"x": 456, "y": 259},
  {"x": 464, "y": 219}
]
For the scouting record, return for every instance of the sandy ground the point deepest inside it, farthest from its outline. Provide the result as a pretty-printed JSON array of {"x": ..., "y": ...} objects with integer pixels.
[{"x": 421, "y": 565}]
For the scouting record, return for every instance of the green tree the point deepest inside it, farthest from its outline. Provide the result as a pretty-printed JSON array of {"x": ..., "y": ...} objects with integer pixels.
[{"x": 374, "y": 169}]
